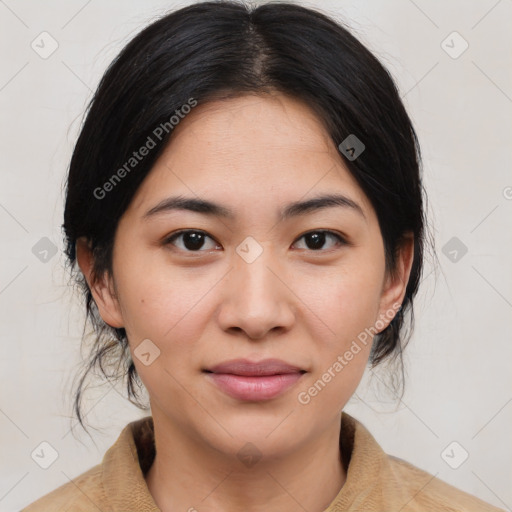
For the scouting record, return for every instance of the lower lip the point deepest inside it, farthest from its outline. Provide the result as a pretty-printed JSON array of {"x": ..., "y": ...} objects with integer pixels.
[{"x": 254, "y": 388}]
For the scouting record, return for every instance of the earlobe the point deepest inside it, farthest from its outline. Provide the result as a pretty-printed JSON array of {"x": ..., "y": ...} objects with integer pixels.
[
  {"x": 395, "y": 284},
  {"x": 102, "y": 287}
]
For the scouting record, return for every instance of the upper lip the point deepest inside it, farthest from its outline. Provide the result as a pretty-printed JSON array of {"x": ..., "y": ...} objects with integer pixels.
[{"x": 255, "y": 368}]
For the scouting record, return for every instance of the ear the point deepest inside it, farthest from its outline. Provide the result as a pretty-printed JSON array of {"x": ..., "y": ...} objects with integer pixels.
[
  {"x": 395, "y": 283},
  {"x": 102, "y": 287}
]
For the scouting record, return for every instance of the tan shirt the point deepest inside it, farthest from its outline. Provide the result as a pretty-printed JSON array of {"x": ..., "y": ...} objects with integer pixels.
[{"x": 375, "y": 481}]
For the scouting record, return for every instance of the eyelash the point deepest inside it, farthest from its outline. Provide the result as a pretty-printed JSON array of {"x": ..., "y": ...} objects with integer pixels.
[{"x": 170, "y": 239}]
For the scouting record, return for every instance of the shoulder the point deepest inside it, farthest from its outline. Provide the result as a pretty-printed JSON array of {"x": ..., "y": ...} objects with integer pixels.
[
  {"x": 83, "y": 493},
  {"x": 427, "y": 492},
  {"x": 117, "y": 482},
  {"x": 379, "y": 482}
]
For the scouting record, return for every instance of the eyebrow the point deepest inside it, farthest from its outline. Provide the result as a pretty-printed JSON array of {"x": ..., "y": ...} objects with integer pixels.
[{"x": 213, "y": 209}]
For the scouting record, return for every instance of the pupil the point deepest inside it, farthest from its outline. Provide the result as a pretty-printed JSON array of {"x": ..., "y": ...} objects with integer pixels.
[
  {"x": 193, "y": 241},
  {"x": 317, "y": 239}
]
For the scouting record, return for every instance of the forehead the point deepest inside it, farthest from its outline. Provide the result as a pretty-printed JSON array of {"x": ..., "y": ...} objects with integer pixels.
[
  {"x": 274, "y": 118},
  {"x": 256, "y": 148}
]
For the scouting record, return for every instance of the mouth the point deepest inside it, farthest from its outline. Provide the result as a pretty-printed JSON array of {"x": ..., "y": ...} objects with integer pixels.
[{"x": 254, "y": 381}]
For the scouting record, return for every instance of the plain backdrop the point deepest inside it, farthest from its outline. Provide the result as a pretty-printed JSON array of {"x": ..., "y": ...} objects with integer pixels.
[{"x": 458, "y": 399}]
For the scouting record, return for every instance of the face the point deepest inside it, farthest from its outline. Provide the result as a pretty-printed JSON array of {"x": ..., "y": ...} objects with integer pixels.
[{"x": 253, "y": 279}]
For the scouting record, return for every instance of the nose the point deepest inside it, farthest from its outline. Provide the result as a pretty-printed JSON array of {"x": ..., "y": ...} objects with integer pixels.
[{"x": 257, "y": 298}]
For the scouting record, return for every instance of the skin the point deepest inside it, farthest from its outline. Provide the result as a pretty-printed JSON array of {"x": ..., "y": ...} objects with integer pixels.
[{"x": 254, "y": 155}]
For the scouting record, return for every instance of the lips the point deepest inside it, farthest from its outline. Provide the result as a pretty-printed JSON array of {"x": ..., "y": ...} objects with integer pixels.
[
  {"x": 254, "y": 381},
  {"x": 256, "y": 369}
]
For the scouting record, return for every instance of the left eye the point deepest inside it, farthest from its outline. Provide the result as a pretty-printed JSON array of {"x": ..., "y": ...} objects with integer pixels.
[
  {"x": 194, "y": 241},
  {"x": 316, "y": 239}
]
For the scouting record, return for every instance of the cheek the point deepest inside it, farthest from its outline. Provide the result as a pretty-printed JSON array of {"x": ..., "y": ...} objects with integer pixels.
[
  {"x": 342, "y": 350},
  {"x": 163, "y": 303},
  {"x": 345, "y": 300},
  {"x": 346, "y": 303},
  {"x": 171, "y": 309}
]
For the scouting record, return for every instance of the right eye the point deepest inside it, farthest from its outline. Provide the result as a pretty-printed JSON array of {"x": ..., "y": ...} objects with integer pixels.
[{"x": 191, "y": 240}]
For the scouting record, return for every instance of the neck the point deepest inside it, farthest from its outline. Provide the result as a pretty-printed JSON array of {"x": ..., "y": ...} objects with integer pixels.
[{"x": 188, "y": 474}]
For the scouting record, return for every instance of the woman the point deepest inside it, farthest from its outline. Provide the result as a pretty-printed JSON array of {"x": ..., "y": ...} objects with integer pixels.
[{"x": 245, "y": 206}]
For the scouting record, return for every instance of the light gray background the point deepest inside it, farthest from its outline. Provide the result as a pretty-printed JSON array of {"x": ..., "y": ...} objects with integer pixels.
[{"x": 459, "y": 382}]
